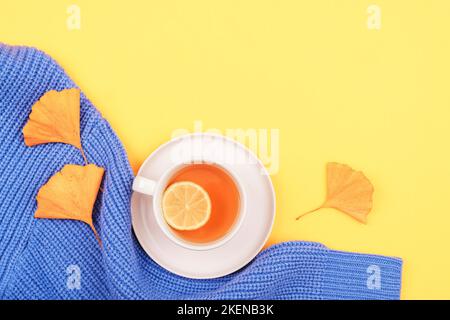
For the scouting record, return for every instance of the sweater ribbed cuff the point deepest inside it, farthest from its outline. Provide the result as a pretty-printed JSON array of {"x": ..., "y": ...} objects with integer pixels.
[{"x": 354, "y": 275}]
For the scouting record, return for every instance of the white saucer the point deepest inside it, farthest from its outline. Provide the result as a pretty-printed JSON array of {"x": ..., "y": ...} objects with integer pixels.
[{"x": 253, "y": 232}]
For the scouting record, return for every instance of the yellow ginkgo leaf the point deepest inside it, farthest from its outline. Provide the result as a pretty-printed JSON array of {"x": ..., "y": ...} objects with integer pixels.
[
  {"x": 348, "y": 191},
  {"x": 70, "y": 194},
  {"x": 55, "y": 118}
]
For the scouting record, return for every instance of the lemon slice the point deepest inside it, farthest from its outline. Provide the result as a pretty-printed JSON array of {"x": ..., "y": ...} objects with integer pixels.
[{"x": 186, "y": 206}]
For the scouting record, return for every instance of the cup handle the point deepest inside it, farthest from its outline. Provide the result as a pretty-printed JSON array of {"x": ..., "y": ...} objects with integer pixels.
[{"x": 144, "y": 185}]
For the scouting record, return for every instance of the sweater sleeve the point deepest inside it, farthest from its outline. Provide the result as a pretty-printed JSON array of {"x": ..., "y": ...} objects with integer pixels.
[{"x": 361, "y": 276}]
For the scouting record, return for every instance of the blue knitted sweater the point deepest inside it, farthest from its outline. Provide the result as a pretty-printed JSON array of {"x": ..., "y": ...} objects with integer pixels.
[{"x": 60, "y": 259}]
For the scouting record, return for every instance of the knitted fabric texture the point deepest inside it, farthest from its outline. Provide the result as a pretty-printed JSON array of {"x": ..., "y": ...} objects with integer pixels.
[{"x": 60, "y": 259}]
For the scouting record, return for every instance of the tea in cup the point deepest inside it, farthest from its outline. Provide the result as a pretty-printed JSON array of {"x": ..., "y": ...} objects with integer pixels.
[{"x": 213, "y": 187}]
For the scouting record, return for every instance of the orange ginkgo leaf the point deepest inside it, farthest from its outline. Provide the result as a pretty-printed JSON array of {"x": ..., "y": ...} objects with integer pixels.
[
  {"x": 70, "y": 194},
  {"x": 348, "y": 191},
  {"x": 55, "y": 118}
]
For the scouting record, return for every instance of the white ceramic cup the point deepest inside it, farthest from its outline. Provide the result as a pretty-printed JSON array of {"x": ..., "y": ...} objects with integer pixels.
[{"x": 156, "y": 188}]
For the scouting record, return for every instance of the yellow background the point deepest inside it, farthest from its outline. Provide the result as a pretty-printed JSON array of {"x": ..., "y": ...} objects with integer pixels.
[{"x": 377, "y": 100}]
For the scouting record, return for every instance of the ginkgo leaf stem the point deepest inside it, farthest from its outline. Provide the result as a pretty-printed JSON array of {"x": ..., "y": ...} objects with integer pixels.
[
  {"x": 97, "y": 236},
  {"x": 84, "y": 156},
  {"x": 308, "y": 212}
]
